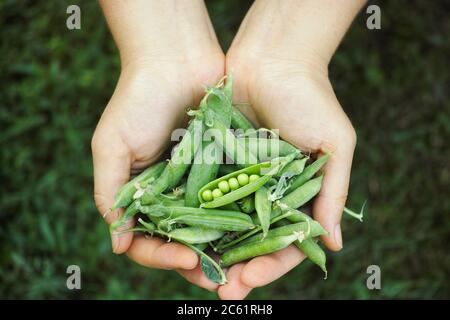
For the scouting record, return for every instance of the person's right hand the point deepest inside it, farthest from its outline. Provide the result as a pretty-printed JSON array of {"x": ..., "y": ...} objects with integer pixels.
[{"x": 148, "y": 103}]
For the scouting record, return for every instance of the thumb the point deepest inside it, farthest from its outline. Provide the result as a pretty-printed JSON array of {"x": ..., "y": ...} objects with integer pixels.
[
  {"x": 329, "y": 204},
  {"x": 111, "y": 170}
]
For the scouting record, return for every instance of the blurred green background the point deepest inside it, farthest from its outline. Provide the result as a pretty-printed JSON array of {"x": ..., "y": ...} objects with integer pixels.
[{"x": 394, "y": 83}]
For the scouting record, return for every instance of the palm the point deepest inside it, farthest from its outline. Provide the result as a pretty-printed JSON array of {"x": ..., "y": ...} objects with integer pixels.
[
  {"x": 133, "y": 132},
  {"x": 303, "y": 107}
]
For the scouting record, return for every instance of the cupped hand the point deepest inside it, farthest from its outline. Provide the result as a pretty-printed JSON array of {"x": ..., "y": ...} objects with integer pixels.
[
  {"x": 297, "y": 98},
  {"x": 148, "y": 103}
]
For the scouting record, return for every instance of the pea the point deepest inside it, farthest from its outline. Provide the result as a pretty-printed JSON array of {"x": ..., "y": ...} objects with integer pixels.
[
  {"x": 224, "y": 186},
  {"x": 233, "y": 183},
  {"x": 216, "y": 193},
  {"x": 253, "y": 177},
  {"x": 242, "y": 179},
  {"x": 207, "y": 195}
]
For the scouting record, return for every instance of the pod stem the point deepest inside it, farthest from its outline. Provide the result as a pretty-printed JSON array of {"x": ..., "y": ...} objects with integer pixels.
[{"x": 355, "y": 215}]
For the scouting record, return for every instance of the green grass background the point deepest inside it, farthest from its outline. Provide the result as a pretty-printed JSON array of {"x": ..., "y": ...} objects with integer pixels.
[{"x": 394, "y": 84}]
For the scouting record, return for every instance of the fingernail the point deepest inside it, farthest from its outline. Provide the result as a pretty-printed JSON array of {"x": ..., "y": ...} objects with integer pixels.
[
  {"x": 115, "y": 242},
  {"x": 338, "y": 235}
]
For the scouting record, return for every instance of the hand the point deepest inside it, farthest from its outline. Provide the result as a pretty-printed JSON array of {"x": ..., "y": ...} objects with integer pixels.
[
  {"x": 296, "y": 98},
  {"x": 148, "y": 103}
]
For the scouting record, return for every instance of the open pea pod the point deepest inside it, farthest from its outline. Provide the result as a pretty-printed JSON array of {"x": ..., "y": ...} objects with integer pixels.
[{"x": 265, "y": 171}]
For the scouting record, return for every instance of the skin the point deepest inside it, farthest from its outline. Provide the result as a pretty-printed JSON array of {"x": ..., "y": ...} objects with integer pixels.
[
  {"x": 162, "y": 73},
  {"x": 279, "y": 59}
]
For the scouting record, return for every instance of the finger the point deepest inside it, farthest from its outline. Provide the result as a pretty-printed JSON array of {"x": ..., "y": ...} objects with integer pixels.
[
  {"x": 264, "y": 269},
  {"x": 111, "y": 171},
  {"x": 158, "y": 253},
  {"x": 329, "y": 204},
  {"x": 197, "y": 277},
  {"x": 234, "y": 289}
]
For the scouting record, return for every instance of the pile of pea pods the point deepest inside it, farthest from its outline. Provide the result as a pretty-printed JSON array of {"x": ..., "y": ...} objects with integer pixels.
[{"x": 227, "y": 211}]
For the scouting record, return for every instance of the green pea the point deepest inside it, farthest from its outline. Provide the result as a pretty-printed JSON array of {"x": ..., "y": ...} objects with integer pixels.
[
  {"x": 224, "y": 186},
  {"x": 216, "y": 193},
  {"x": 207, "y": 195},
  {"x": 233, "y": 183},
  {"x": 242, "y": 179},
  {"x": 253, "y": 177}
]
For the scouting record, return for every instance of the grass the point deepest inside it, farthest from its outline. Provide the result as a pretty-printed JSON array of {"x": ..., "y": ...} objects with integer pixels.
[{"x": 393, "y": 83}]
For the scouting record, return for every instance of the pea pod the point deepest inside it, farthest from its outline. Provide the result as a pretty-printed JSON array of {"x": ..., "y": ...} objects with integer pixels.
[
  {"x": 264, "y": 171},
  {"x": 267, "y": 149},
  {"x": 195, "y": 235},
  {"x": 310, "y": 230},
  {"x": 129, "y": 213},
  {"x": 239, "y": 121},
  {"x": 124, "y": 196},
  {"x": 302, "y": 194},
  {"x": 176, "y": 212},
  {"x": 200, "y": 174},
  {"x": 234, "y": 148},
  {"x": 179, "y": 162},
  {"x": 255, "y": 249},
  {"x": 263, "y": 208},
  {"x": 160, "y": 199},
  {"x": 231, "y": 207},
  {"x": 214, "y": 221},
  {"x": 314, "y": 252},
  {"x": 240, "y": 237},
  {"x": 309, "y": 172},
  {"x": 204, "y": 169},
  {"x": 294, "y": 168}
]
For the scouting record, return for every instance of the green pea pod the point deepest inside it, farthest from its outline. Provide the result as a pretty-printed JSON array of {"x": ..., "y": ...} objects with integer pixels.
[
  {"x": 267, "y": 149},
  {"x": 124, "y": 196},
  {"x": 231, "y": 207},
  {"x": 239, "y": 121},
  {"x": 247, "y": 204},
  {"x": 161, "y": 199},
  {"x": 294, "y": 168},
  {"x": 310, "y": 230},
  {"x": 242, "y": 236},
  {"x": 255, "y": 249},
  {"x": 265, "y": 170},
  {"x": 195, "y": 235},
  {"x": 309, "y": 172},
  {"x": 233, "y": 147},
  {"x": 214, "y": 221},
  {"x": 179, "y": 162},
  {"x": 314, "y": 252},
  {"x": 204, "y": 168},
  {"x": 200, "y": 174},
  {"x": 263, "y": 208},
  {"x": 302, "y": 194},
  {"x": 176, "y": 212}
]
